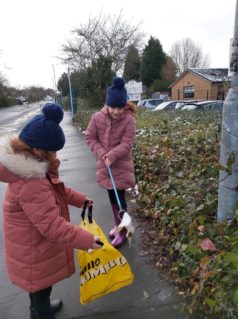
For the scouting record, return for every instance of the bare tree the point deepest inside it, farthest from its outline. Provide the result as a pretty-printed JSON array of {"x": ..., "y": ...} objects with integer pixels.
[
  {"x": 107, "y": 37},
  {"x": 187, "y": 54},
  {"x": 2, "y": 79},
  {"x": 169, "y": 70}
]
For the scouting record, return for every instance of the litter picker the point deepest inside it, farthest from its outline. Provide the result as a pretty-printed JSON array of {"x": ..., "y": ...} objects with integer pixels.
[{"x": 126, "y": 221}]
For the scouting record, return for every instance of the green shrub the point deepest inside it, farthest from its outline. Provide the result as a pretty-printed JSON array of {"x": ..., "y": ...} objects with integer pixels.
[{"x": 176, "y": 159}]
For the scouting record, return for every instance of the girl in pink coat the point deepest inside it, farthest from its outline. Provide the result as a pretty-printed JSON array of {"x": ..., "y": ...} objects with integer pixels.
[
  {"x": 38, "y": 237},
  {"x": 110, "y": 135}
]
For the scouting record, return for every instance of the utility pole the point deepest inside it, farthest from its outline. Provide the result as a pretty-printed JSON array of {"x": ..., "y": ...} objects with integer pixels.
[
  {"x": 228, "y": 185},
  {"x": 70, "y": 93},
  {"x": 55, "y": 86}
]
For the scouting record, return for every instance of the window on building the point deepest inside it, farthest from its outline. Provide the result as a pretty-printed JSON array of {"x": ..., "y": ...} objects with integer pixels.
[{"x": 188, "y": 91}]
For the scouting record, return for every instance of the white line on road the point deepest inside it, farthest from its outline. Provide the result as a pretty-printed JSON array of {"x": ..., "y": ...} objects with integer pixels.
[{"x": 8, "y": 129}]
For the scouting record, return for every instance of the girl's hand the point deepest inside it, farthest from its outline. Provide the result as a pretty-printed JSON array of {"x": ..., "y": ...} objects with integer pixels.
[
  {"x": 107, "y": 161},
  {"x": 97, "y": 243}
]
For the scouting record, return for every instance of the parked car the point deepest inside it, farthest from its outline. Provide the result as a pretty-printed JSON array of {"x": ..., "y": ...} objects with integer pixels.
[
  {"x": 20, "y": 100},
  {"x": 204, "y": 105},
  {"x": 191, "y": 107},
  {"x": 180, "y": 104},
  {"x": 149, "y": 103},
  {"x": 167, "y": 105},
  {"x": 215, "y": 105},
  {"x": 45, "y": 102}
]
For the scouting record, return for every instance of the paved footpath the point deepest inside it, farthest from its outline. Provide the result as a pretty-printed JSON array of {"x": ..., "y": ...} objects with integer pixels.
[{"x": 78, "y": 169}]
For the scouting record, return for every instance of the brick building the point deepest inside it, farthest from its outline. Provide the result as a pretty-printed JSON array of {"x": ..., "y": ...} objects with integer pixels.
[{"x": 201, "y": 84}]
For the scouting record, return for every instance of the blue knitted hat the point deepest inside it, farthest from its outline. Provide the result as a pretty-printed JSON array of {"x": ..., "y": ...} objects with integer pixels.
[
  {"x": 116, "y": 93},
  {"x": 43, "y": 131}
]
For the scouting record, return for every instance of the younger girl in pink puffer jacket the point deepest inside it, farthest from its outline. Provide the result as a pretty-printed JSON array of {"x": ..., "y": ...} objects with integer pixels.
[{"x": 110, "y": 135}]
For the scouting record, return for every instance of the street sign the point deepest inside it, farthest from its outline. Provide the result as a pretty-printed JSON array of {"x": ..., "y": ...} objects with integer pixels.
[
  {"x": 134, "y": 87},
  {"x": 134, "y": 97},
  {"x": 134, "y": 90}
]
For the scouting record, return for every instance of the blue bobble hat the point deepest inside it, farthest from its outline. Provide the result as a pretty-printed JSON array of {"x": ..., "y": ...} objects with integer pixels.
[
  {"x": 44, "y": 131},
  {"x": 116, "y": 93}
]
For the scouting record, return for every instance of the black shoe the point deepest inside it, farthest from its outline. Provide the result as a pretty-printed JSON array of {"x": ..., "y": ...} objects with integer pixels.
[
  {"x": 32, "y": 314},
  {"x": 56, "y": 305}
]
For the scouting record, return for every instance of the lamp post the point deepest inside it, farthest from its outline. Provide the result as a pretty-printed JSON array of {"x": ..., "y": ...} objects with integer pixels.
[
  {"x": 54, "y": 82},
  {"x": 228, "y": 185},
  {"x": 70, "y": 94}
]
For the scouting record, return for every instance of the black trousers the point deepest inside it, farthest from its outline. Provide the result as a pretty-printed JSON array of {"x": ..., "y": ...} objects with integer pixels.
[
  {"x": 40, "y": 304},
  {"x": 121, "y": 195}
]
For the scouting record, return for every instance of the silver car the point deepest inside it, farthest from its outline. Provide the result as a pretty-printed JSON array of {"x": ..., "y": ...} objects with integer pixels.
[
  {"x": 205, "y": 105},
  {"x": 149, "y": 103}
]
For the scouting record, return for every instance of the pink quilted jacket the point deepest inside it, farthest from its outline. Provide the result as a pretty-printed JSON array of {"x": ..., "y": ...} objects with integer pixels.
[
  {"x": 114, "y": 138},
  {"x": 38, "y": 237}
]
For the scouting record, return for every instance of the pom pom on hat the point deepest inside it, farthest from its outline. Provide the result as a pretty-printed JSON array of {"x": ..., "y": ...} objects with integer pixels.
[
  {"x": 118, "y": 83},
  {"x": 116, "y": 93},
  {"x": 53, "y": 112},
  {"x": 44, "y": 131}
]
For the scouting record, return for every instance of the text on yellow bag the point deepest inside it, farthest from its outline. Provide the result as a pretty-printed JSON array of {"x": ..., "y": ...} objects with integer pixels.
[{"x": 102, "y": 270}]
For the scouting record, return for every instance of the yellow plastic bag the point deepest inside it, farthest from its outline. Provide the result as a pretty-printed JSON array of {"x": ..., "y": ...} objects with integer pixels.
[{"x": 102, "y": 270}]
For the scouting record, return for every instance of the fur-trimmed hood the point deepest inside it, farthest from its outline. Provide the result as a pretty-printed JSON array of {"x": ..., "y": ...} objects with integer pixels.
[{"x": 16, "y": 166}]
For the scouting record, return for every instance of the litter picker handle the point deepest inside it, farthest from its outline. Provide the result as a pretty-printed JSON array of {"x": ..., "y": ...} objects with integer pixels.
[{"x": 114, "y": 187}]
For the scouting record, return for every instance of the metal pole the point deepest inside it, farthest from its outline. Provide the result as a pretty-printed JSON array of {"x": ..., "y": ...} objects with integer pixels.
[
  {"x": 54, "y": 76},
  {"x": 227, "y": 194},
  {"x": 55, "y": 86},
  {"x": 234, "y": 52},
  {"x": 70, "y": 94},
  {"x": 61, "y": 97}
]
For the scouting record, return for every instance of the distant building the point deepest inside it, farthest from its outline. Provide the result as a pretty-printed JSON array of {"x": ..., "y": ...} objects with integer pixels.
[
  {"x": 160, "y": 95},
  {"x": 201, "y": 84}
]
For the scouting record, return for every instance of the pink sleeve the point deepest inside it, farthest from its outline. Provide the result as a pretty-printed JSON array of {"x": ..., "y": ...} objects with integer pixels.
[
  {"x": 74, "y": 198},
  {"x": 41, "y": 208}
]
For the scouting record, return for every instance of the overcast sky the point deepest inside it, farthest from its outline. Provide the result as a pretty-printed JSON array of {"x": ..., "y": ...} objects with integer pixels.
[{"x": 33, "y": 31}]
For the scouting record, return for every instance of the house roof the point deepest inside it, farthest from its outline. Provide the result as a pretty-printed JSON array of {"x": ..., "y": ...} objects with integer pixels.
[{"x": 212, "y": 74}]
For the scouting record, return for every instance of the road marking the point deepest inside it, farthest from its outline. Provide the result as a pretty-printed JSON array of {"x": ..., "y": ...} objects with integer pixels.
[{"x": 8, "y": 129}]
